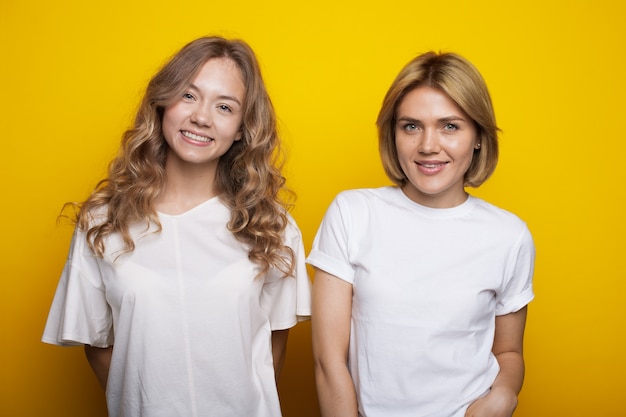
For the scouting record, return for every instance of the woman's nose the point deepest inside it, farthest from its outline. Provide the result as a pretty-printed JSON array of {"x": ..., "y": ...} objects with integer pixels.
[
  {"x": 429, "y": 142},
  {"x": 201, "y": 116}
]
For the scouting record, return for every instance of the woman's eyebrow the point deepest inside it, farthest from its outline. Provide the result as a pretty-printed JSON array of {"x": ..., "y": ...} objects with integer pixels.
[
  {"x": 452, "y": 118},
  {"x": 221, "y": 96}
]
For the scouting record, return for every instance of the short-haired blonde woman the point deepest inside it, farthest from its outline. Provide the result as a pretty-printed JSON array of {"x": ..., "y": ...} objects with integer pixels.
[
  {"x": 421, "y": 290},
  {"x": 186, "y": 271}
]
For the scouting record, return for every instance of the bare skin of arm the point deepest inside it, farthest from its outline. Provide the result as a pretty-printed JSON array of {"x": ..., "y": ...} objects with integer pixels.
[
  {"x": 279, "y": 350},
  {"x": 330, "y": 324},
  {"x": 501, "y": 401},
  {"x": 100, "y": 360}
]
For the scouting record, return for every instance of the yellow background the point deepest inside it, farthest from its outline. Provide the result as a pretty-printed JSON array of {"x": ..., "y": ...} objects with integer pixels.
[{"x": 72, "y": 73}]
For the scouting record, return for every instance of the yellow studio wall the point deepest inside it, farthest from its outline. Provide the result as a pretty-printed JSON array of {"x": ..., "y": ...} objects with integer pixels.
[{"x": 72, "y": 73}]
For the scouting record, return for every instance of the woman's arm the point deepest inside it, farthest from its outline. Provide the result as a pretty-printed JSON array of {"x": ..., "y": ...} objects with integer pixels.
[
  {"x": 501, "y": 400},
  {"x": 100, "y": 360},
  {"x": 330, "y": 323},
  {"x": 279, "y": 350}
]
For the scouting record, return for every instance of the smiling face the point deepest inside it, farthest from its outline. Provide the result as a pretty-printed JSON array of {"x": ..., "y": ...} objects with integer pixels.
[
  {"x": 205, "y": 121},
  {"x": 435, "y": 142}
]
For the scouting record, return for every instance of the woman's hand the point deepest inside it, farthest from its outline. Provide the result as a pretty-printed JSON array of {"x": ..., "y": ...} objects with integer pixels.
[{"x": 497, "y": 403}]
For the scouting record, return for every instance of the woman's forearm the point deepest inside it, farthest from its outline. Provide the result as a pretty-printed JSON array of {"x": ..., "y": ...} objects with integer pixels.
[
  {"x": 100, "y": 360},
  {"x": 335, "y": 390}
]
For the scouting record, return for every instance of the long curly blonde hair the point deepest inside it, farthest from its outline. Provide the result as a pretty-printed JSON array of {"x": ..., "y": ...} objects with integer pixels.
[{"x": 248, "y": 175}]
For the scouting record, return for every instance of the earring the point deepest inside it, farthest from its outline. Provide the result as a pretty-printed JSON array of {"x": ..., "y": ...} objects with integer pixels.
[{"x": 478, "y": 146}]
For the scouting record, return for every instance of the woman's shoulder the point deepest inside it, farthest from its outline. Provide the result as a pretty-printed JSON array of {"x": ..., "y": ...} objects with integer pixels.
[
  {"x": 498, "y": 216},
  {"x": 368, "y": 195},
  {"x": 88, "y": 218},
  {"x": 361, "y": 205},
  {"x": 292, "y": 228}
]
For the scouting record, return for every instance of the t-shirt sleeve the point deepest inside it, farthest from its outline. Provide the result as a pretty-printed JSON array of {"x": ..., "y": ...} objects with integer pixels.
[
  {"x": 287, "y": 300},
  {"x": 330, "y": 251},
  {"x": 79, "y": 313},
  {"x": 518, "y": 285}
]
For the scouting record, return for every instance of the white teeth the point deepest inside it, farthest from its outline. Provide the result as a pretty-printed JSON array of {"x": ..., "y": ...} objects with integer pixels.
[{"x": 196, "y": 137}]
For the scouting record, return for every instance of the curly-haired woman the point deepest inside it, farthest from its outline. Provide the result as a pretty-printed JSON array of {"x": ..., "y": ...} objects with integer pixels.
[{"x": 186, "y": 270}]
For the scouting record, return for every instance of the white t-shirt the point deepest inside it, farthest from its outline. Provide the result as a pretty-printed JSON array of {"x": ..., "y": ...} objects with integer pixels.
[
  {"x": 190, "y": 324},
  {"x": 427, "y": 285}
]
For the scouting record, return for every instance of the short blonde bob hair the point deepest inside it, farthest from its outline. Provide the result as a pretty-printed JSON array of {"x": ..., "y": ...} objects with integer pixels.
[{"x": 458, "y": 79}]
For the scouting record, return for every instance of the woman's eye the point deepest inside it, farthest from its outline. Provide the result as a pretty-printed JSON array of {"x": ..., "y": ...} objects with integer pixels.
[
  {"x": 224, "y": 107},
  {"x": 450, "y": 126},
  {"x": 410, "y": 127},
  {"x": 188, "y": 96}
]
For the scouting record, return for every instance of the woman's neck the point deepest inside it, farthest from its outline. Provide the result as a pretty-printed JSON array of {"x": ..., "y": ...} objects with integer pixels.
[{"x": 186, "y": 185}]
